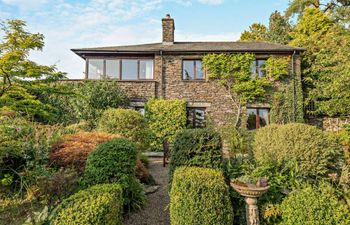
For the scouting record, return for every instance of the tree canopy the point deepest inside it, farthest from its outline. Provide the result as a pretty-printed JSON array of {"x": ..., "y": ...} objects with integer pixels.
[{"x": 21, "y": 79}]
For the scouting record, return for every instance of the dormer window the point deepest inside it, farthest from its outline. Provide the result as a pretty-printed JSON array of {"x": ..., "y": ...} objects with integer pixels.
[
  {"x": 120, "y": 69},
  {"x": 192, "y": 70}
]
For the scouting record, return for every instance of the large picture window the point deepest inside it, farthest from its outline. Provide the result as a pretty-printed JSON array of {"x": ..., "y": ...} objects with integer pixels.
[
  {"x": 195, "y": 117},
  {"x": 257, "y": 117},
  {"x": 120, "y": 69},
  {"x": 192, "y": 70}
]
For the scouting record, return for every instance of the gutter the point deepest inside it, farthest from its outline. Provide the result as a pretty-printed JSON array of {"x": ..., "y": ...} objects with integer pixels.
[{"x": 294, "y": 88}]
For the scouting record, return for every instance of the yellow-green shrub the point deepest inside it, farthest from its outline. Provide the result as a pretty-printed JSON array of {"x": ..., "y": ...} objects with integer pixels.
[
  {"x": 165, "y": 118},
  {"x": 100, "y": 204},
  {"x": 315, "y": 152},
  {"x": 199, "y": 196},
  {"x": 126, "y": 122}
]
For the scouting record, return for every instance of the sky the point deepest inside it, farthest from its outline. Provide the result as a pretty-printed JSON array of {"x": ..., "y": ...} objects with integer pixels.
[{"x": 68, "y": 24}]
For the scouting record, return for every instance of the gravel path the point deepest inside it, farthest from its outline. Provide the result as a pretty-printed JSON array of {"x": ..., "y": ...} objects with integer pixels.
[{"x": 156, "y": 210}]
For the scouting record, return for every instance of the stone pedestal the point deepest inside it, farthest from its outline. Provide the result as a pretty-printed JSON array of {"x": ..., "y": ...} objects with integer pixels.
[{"x": 252, "y": 211}]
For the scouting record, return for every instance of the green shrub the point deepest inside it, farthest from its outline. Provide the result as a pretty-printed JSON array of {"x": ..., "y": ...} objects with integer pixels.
[
  {"x": 100, "y": 204},
  {"x": 166, "y": 118},
  {"x": 310, "y": 206},
  {"x": 199, "y": 196},
  {"x": 115, "y": 161},
  {"x": 126, "y": 122},
  {"x": 314, "y": 151},
  {"x": 197, "y": 147}
]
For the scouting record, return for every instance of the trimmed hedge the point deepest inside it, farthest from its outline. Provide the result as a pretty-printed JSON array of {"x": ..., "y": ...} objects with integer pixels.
[
  {"x": 126, "y": 122},
  {"x": 197, "y": 147},
  {"x": 100, "y": 204},
  {"x": 316, "y": 153},
  {"x": 115, "y": 161},
  {"x": 200, "y": 196},
  {"x": 310, "y": 206},
  {"x": 166, "y": 118}
]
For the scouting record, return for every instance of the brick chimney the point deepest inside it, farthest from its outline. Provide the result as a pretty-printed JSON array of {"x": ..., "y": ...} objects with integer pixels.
[{"x": 168, "y": 30}]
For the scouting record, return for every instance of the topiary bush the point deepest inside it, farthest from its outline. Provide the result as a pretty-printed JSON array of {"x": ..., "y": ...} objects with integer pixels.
[
  {"x": 199, "y": 196},
  {"x": 310, "y": 206},
  {"x": 197, "y": 147},
  {"x": 115, "y": 161},
  {"x": 72, "y": 150},
  {"x": 316, "y": 153},
  {"x": 126, "y": 122},
  {"x": 166, "y": 118},
  {"x": 99, "y": 204}
]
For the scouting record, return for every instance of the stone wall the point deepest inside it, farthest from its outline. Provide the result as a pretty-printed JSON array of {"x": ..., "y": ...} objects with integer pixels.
[
  {"x": 329, "y": 123},
  {"x": 139, "y": 90}
]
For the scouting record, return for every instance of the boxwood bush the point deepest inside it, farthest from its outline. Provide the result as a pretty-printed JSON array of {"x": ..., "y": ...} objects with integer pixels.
[
  {"x": 315, "y": 152},
  {"x": 126, "y": 122},
  {"x": 199, "y": 196},
  {"x": 197, "y": 147},
  {"x": 115, "y": 161},
  {"x": 99, "y": 204},
  {"x": 310, "y": 206},
  {"x": 166, "y": 118}
]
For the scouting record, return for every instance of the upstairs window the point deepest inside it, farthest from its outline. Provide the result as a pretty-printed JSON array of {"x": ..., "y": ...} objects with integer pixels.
[
  {"x": 195, "y": 117},
  {"x": 257, "y": 117},
  {"x": 192, "y": 70},
  {"x": 96, "y": 68},
  {"x": 258, "y": 69},
  {"x": 120, "y": 69}
]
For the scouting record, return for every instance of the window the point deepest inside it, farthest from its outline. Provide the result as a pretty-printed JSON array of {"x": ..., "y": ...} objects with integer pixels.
[
  {"x": 129, "y": 69},
  {"x": 192, "y": 70},
  {"x": 123, "y": 69},
  {"x": 95, "y": 68},
  {"x": 257, "y": 117},
  {"x": 258, "y": 69},
  {"x": 112, "y": 69},
  {"x": 195, "y": 117},
  {"x": 146, "y": 69}
]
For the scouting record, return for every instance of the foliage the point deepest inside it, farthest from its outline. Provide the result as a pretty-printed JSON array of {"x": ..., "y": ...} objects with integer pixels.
[
  {"x": 314, "y": 151},
  {"x": 166, "y": 118},
  {"x": 21, "y": 79},
  {"x": 238, "y": 140},
  {"x": 325, "y": 63},
  {"x": 314, "y": 206},
  {"x": 196, "y": 147},
  {"x": 142, "y": 173},
  {"x": 72, "y": 150},
  {"x": 199, "y": 196},
  {"x": 100, "y": 204},
  {"x": 277, "y": 32},
  {"x": 344, "y": 138},
  {"x": 126, "y": 122},
  {"x": 115, "y": 161},
  {"x": 277, "y": 68},
  {"x": 87, "y": 101},
  {"x": 233, "y": 72}
]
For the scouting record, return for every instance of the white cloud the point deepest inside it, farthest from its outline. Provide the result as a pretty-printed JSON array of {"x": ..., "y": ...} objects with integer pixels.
[
  {"x": 211, "y": 2},
  {"x": 25, "y": 4}
]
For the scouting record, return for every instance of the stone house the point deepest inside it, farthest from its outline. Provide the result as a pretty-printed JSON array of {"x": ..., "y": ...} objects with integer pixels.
[{"x": 171, "y": 69}]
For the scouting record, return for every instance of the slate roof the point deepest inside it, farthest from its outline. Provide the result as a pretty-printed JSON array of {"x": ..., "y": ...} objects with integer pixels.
[{"x": 192, "y": 47}]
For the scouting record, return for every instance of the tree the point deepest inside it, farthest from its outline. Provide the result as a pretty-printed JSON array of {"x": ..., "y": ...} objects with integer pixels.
[
  {"x": 340, "y": 9},
  {"x": 325, "y": 63},
  {"x": 21, "y": 80},
  {"x": 277, "y": 32}
]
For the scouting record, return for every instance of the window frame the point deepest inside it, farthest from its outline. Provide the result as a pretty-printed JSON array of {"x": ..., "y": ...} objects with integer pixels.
[
  {"x": 257, "y": 116},
  {"x": 256, "y": 65},
  {"x": 194, "y": 70},
  {"x": 193, "y": 119},
  {"x": 120, "y": 59}
]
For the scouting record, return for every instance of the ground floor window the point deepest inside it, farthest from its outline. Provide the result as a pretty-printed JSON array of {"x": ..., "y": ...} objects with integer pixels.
[
  {"x": 195, "y": 117},
  {"x": 257, "y": 117}
]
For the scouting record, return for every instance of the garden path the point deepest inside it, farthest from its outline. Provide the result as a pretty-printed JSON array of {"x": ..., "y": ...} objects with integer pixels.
[{"x": 156, "y": 211}]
